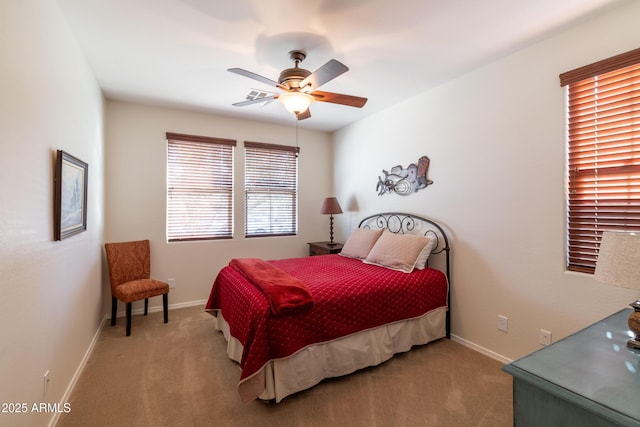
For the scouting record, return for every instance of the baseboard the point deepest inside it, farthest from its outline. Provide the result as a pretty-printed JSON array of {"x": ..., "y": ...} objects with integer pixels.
[
  {"x": 77, "y": 373},
  {"x": 156, "y": 308},
  {"x": 480, "y": 349},
  {"x": 87, "y": 354}
]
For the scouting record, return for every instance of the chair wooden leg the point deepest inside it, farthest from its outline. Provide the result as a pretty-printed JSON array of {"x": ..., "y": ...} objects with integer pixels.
[
  {"x": 114, "y": 305},
  {"x": 128, "y": 318},
  {"x": 165, "y": 307},
  {"x": 146, "y": 306}
]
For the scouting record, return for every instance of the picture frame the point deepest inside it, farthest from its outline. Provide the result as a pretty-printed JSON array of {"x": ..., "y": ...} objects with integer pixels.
[{"x": 70, "y": 201}]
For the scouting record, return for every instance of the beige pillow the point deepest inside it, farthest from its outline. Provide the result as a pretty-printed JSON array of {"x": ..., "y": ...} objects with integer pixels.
[
  {"x": 360, "y": 243},
  {"x": 421, "y": 263},
  {"x": 397, "y": 251}
]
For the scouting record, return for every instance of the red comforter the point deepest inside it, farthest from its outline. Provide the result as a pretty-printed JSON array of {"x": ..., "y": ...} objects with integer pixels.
[{"x": 349, "y": 296}]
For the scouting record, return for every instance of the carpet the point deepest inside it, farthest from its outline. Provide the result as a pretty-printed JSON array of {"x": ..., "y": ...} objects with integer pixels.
[{"x": 178, "y": 374}]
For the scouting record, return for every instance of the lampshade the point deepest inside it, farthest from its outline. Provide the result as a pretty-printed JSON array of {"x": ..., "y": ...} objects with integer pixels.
[
  {"x": 330, "y": 206},
  {"x": 296, "y": 102},
  {"x": 619, "y": 260}
]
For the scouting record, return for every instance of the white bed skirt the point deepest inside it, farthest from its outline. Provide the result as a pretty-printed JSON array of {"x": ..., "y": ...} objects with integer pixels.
[{"x": 310, "y": 365}]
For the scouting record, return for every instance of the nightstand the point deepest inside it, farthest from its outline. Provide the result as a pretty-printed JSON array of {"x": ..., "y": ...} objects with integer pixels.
[{"x": 324, "y": 248}]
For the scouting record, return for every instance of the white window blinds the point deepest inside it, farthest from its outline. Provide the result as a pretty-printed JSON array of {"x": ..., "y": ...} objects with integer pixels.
[
  {"x": 199, "y": 187},
  {"x": 271, "y": 189},
  {"x": 603, "y": 154}
]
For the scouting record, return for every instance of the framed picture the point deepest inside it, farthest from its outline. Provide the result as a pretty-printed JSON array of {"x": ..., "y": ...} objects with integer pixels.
[{"x": 70, "y": 209}]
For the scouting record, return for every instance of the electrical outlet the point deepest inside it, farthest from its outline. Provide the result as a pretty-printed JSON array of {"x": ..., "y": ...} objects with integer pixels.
[
  {"x": 46, "y": 381},
  {"x": 545, "y": 337},
  {"x": 172, "y": 283},
  {"x": 503, "y": 323}
]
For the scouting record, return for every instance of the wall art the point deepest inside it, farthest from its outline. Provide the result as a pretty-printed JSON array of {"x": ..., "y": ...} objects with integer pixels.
[
  {"x": 70, "y": 201},
  {"x": 405, "y": 181}
]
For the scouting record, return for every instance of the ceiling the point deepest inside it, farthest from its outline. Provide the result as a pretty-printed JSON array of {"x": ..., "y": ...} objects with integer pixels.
[{"x": 177, "y": 52}]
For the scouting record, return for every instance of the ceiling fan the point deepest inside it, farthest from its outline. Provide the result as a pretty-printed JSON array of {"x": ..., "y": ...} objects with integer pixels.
[{"x": 300, "y": 86}]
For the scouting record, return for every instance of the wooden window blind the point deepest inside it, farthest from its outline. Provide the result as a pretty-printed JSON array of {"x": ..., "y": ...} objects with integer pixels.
[
  {"x": 603, "y": 155},
  {"x": 199, "y": 187},
  {"x": 271, "y": 189}
]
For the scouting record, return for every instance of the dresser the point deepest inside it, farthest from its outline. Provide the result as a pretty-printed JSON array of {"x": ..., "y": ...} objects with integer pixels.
[{"x": 589, "y": 378}]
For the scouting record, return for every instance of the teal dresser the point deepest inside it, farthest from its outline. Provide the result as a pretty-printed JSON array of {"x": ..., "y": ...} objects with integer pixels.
[{"x": 587, "y": 379}]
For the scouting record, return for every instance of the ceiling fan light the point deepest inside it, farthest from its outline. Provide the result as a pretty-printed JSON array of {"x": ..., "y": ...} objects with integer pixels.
[{"x": 296, "y": 102}]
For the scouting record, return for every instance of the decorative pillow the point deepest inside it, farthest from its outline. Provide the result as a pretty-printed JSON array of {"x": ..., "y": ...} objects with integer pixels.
[
  {"x": 421, "y": 263},
  {"x": 360, "y": 242},
  {"x": 397, "y": 251}
]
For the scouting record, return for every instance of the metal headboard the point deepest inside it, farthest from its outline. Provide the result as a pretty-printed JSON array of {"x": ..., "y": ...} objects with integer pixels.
[{"x": 405, "y": 223}]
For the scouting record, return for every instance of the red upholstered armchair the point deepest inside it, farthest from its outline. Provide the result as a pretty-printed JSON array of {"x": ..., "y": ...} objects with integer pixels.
[{"x": 129, "y": 274}]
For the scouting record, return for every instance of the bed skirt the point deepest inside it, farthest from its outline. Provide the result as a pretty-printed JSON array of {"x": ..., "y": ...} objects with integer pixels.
[{"x": 282, "y": 377}]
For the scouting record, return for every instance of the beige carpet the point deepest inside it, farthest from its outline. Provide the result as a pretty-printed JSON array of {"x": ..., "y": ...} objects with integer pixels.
[{"x": 178, "y": 374}]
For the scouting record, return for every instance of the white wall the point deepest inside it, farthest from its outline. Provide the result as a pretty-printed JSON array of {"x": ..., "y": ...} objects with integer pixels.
[
  {"x": 136, "y": 193},
  {"x": 495, "y": 137},
  {"x": 50, "y": 299}
]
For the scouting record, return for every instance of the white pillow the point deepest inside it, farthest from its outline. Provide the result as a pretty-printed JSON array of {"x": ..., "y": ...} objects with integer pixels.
[
  {"x": 421, "y": 263},
  {"x": 397, "y": 251},
  {"x": 360, "y": 242}
]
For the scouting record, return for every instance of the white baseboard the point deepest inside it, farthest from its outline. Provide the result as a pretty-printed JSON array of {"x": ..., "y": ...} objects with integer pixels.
[
  {"x": 156, "y": 308},
  {"x": 480, "y": 349},
  {"x": 76, "y": 375}
]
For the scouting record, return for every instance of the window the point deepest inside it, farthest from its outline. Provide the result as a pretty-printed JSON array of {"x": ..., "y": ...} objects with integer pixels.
[
  {"x": 199, "y": 187},
  {"x": 271, "y": 187},
  {"x": 603, "y": 154}
]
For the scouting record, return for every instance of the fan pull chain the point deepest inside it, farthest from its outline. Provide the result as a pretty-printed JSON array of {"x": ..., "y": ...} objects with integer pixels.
[{"x": 297, "y": 148}]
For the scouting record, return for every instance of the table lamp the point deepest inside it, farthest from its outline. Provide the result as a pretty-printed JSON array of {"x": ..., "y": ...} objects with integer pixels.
[
  {"x": 619, "y": 265},
  {"x": 330, "y": 206}
]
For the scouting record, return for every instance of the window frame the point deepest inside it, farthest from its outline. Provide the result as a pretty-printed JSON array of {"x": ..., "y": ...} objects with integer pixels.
[
  {"x": 199, "y": 151},
  {"x": 603, "y": 155},
  {"x": 259, "y": 158}
]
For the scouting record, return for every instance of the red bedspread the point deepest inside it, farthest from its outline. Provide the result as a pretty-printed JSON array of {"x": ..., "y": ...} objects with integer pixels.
[
  {"x": 285, "y": 293},
  {"x": 349, "y": 296}
]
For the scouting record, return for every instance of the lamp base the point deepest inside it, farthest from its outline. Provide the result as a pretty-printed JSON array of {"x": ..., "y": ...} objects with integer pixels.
[{"x": 634, "y": 325}]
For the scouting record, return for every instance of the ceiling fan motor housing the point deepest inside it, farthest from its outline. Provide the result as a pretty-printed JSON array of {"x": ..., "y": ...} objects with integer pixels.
[{"x": 291, "y": 77}]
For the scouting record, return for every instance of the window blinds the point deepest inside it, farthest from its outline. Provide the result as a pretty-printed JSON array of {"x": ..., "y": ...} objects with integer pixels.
[
  {"x": 603, "y": 155},
  {"x": 271, "y": 187},
  {"x": 199, "y": 187}
]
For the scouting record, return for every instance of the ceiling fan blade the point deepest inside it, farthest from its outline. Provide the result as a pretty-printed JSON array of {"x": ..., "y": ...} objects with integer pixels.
[
  {"x": 304, "y": 115},
  {"x": 322, "y": 75},
  {"x": 338, "y": 98},
  {"x": 255, "y": 101},
  {"x": 255, "y": 76}
]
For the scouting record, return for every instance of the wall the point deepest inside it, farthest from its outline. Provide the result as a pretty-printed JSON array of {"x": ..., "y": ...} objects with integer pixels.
[
  {"x": 495, "y": 137},
  {"x": 136, "y": 193},
  {"x": 50, "y": 299}
]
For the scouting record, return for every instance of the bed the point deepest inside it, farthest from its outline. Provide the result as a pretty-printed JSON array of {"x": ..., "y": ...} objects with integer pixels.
[{"x": 291, "y": 323}]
